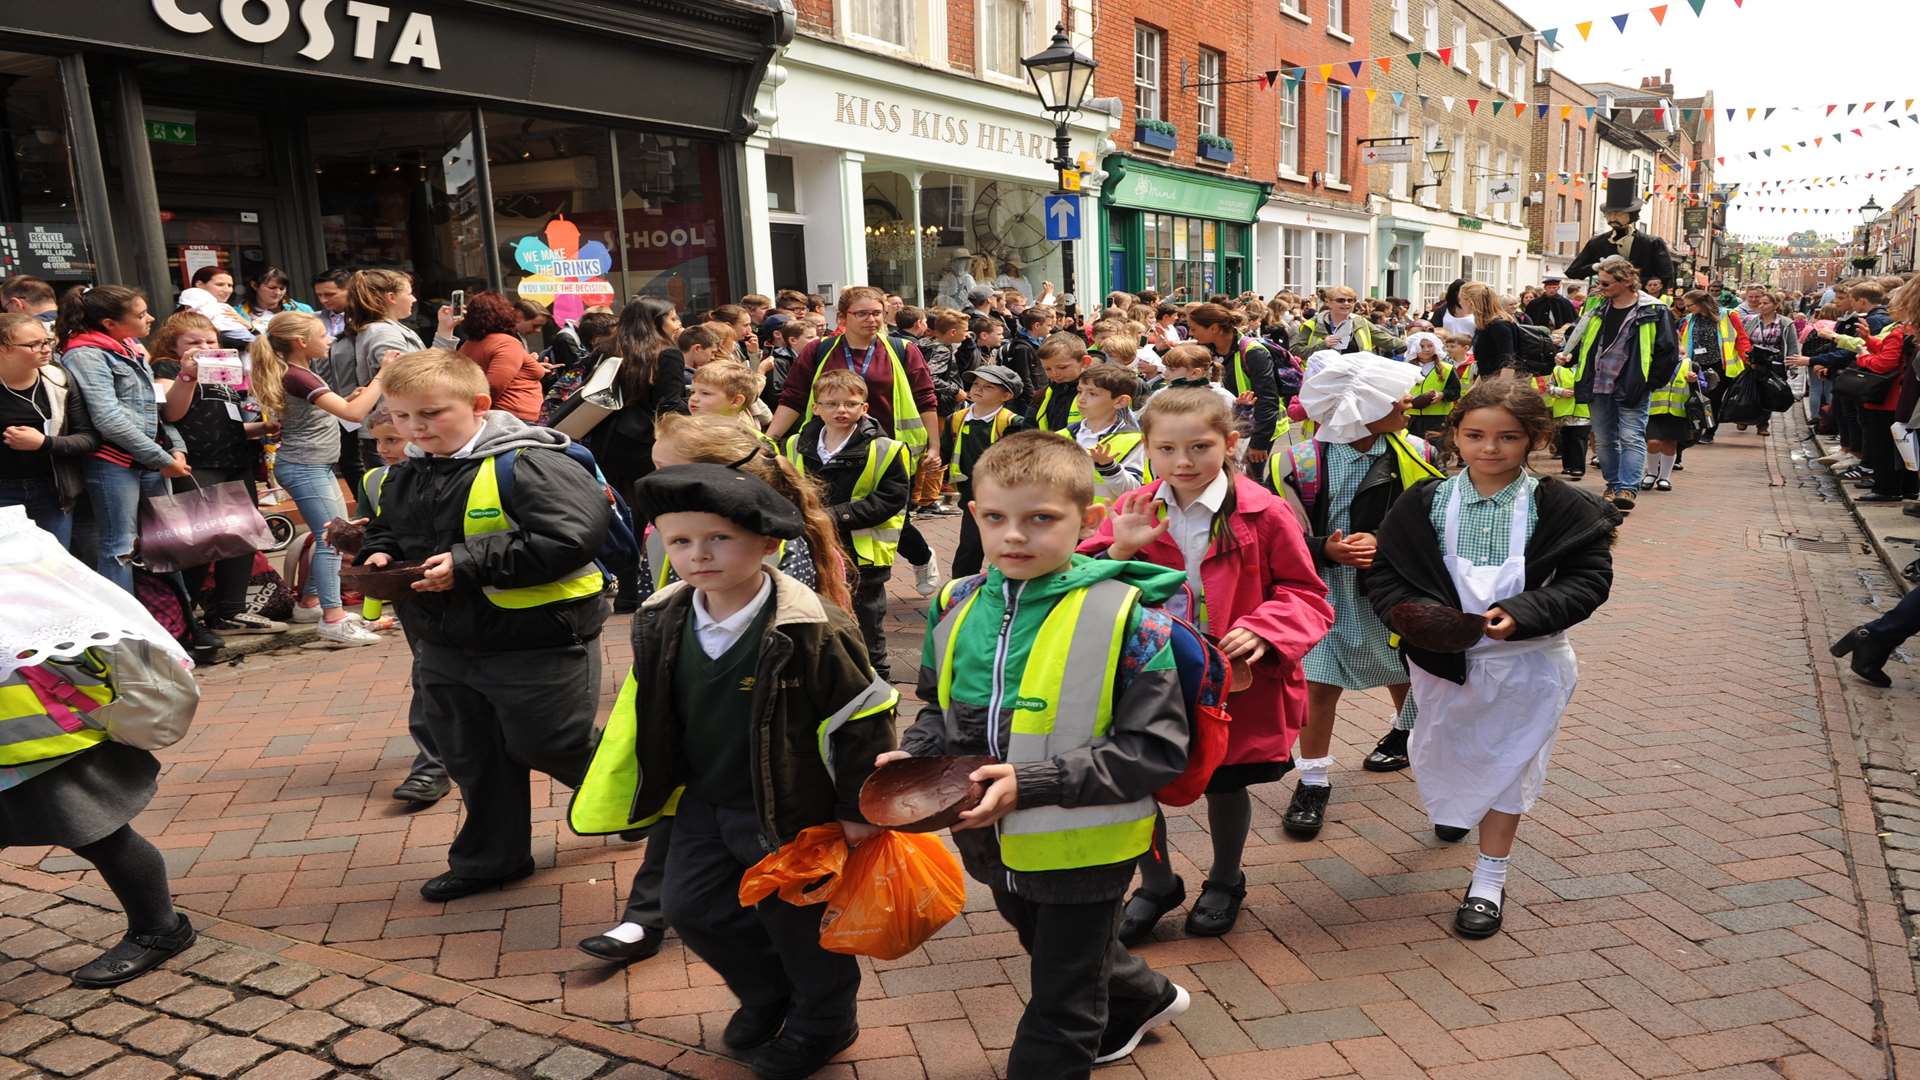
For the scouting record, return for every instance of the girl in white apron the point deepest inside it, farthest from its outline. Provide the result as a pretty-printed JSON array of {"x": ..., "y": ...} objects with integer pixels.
[{"x": 1531, "y": 556}]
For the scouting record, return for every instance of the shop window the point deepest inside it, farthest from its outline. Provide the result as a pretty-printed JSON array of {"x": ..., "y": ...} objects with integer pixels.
[
  {"x": 40, "y": 231},
  {"x": 1148, "y": 50},
  {"x": 1207, "y": 91},
  {"x": 1438, "y": 267},
  {"x": 1181, "y": 253},
  {"x": 674, "y": 209},
  {"x": 224, "y": 149},
  {"x": 889, "y": 21},
  {"x": 1003, "y": 35},
  {"x": 401, "y": 190},
  {"x": 781, "y": 191},
  {"x": 554, "y": 190},
  {"x": 1000, "y": 224},
  {"x": 1486, "y": 270}
]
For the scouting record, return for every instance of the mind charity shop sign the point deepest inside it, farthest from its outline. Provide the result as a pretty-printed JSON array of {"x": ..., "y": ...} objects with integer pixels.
[{"x": 562, "y": 273}]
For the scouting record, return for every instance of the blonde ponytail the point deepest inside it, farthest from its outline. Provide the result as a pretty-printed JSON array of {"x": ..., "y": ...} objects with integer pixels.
[{"x": 269, "y": 354}]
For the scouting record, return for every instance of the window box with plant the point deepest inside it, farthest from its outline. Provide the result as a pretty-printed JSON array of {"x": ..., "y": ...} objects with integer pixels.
[
  {"x": 1155, "y": 133},
  {"x": 1216, "y": 148}
]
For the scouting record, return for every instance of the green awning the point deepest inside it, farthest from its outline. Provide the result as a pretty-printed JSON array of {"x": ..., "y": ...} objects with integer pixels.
[{"x": 1144, "y": 185}]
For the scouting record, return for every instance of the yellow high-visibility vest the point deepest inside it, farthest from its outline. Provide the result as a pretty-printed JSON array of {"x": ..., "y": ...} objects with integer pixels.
[{"x": 907, "y": 425}]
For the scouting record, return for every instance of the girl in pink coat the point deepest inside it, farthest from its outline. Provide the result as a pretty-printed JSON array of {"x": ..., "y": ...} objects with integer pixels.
[{"x": 1256, "y": 592}]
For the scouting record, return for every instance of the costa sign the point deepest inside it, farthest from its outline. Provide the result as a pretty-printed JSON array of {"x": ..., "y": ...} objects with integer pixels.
[{"x": 262, "y": 22}]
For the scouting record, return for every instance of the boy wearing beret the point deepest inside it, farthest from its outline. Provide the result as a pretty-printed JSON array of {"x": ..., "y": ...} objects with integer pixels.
[{"x": 763, "y": 708}]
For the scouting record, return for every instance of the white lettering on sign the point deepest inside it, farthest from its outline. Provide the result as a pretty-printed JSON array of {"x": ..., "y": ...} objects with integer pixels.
[
  {"x": 888, "y": 118},
  {"x": 644, "y": 239},
  {"x": 262, "y": 22}
]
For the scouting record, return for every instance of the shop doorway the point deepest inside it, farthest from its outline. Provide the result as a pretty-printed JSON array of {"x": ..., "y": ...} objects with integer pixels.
[
  {"x": 789, "y": 243},
  {"x": 242, "y": 238}
]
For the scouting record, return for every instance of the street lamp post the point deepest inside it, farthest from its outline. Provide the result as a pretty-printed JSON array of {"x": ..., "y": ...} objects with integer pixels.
[
  {"x": 1062, "y": 76},
  {"x": 1869, "y": 211}
]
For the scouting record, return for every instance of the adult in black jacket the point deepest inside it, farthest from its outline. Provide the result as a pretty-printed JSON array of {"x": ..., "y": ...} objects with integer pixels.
[
  {"x": 1495, "y": 336},
  {"x": 1550, "y": 309},
  {"x": 1249, "y": 371},
  {"x": 1569, "y": 566}
]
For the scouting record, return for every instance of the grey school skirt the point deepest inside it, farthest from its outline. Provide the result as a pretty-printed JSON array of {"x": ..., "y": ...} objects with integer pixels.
[{"x": 84, "y": 800}]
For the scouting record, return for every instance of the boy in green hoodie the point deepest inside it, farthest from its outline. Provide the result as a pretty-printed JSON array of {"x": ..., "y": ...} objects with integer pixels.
[{"x": 1057, "y": 666}]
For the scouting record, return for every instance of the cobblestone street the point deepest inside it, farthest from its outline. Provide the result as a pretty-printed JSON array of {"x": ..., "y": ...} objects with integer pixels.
[{"x": 1702, "y": 891}]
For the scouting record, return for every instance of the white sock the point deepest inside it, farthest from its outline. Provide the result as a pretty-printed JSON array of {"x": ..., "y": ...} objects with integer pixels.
[
  {"x": 1489, "y": 877},
  {"x": 1313, "y": 771},
  {"x": 629, "y": 932},
  {"x": 1663, "y": 466}
]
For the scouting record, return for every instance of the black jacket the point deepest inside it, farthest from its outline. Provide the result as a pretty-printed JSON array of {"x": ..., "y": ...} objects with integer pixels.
[
  {"x": 1631, "y": 386},
  {"x": 812, "y": 668},
  {"x": 1258, "y": 366},
  {"x": 1378, "y": 491},
  {"x": 560, "y": 514},
  {"x": 1552, "y": 312},
  {"x": 838, "y": 476},
  {"x": 1569, "y": 566},
  {"x": 1648, "y": 254},
  {"x": 1023, "y": 357}
]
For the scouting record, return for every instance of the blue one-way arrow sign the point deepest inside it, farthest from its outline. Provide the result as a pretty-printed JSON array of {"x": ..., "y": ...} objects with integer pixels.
[{"x": 1063, "y": 217}]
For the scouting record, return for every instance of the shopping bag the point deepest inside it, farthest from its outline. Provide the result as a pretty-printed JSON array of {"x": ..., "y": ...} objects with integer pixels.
[
  {"x": 1742, "y": 403},
  {"x": 896, "y": 890},
  {"x": 199, "y": 526},
  {"x": 803, "y": 871},
  {"x": 1775, "y": 394},
  {"x": 599, "y": 398}
]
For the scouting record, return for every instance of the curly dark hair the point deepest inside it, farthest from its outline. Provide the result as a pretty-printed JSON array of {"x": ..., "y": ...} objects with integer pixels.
[{"x": 489, "y": 312}]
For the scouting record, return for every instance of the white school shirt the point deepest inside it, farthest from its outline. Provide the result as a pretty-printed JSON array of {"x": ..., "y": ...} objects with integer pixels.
[
  {"x": 718, "y": 635},
  {"x": 1192, "y": 528},
  {"x": 827, "y": 453}
]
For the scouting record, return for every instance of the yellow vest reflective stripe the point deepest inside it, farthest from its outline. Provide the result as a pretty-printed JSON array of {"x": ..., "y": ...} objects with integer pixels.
[
  {"x": 1238, "y": 373},
  {"x": 1671, "y": 399},
  {"x": 484, "y": 515},
  {"x": 1064, "y": 703},
  {"x": 876, "y": 546},
  {"x": 1073, "y": 410},
  {"x": 1730, "y": 360},
  {"x": 1435, "y": 382},
  {"x": 1118, "y": 445},
  {"x": 1564, "y": 407},
  {"x": 28, "y": 734},
  {"x": 1001, "y": 420},
  {"x": 907, "y": 425},
  {"x": 1592, "y": 335}
]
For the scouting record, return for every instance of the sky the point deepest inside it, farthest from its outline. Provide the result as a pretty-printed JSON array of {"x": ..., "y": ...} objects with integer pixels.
[{"x": 1778, "y": 53}]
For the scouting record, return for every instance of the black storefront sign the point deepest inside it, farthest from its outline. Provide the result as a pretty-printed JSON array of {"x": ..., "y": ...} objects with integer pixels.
[
  {"x": 50, "y": 251},
  {"x": 644, "y": 63}
]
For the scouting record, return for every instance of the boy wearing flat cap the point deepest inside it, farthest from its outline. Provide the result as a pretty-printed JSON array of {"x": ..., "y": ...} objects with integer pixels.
[
  {"x": 762, "y": 706},
  {"x": 988, "y": 418}
]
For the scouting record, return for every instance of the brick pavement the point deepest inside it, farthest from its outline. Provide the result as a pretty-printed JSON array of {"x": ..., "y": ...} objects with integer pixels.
[{"x": 1699, "y": 892}]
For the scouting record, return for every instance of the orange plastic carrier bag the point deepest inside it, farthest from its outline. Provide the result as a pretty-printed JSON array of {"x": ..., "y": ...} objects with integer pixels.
[{"x": 896, "y": 891}]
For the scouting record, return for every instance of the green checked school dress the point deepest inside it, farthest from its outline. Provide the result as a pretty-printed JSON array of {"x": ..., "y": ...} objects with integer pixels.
[{"x": 1356, "y": 653}]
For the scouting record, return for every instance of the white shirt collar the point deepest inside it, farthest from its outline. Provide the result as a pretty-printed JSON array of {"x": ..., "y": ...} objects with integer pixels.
[
  {"x": 735, "y": 624},
  {"x": 1211, "y": 498},
  {"x": 972, "y": 415},
  {"x": 829, "y": 451},
  {"x": 467, "y": 450}
]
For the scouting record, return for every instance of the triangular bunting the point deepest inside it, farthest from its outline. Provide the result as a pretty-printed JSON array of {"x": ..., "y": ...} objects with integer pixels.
[
  {"x": 1660, "y": 116},
  {"x": 1473, "y": 106},
  {"x": 1446, "y": 102},
  {"x": 1659, "y": 15},
  {"x": 1496, "y": 107},
  {"x": 1326, "y": 72},
  {"x": 1729, "y": 115},
  {"x": 1540, "y": 111},
  {"x": 1697, "y": 5},
  {"x": 1633, "y": 116},
  {"x": 1768, "y": 115},
  {"x": 1850, "y": 108},
  {"x": 1620, "y": 21},
  {"x": 1566, "y": 111},
  {"x": 1590, "y": 111},
  {"x": 1513, "y": 41},
  {"x": 1750, "y": 113},
  {"x": 1370, "y": 94},
  {"x": 1355, "y": 66},
  {"x": 1446, "y": 55},
  {"x": 1414, "y": 58},
  {"x": 1386, "y": 64},
  {"x": 1272, "y": 77},
  {"x": 1585, "y": 28},
  {"x": 1548, "y": 36},
  {"x": 1399, "y": 99},
  {"x": 1856, "y": 133}
]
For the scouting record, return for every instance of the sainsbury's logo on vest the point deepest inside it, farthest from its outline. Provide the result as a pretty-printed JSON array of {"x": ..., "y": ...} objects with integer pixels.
[{"x": 263, "y": 22}]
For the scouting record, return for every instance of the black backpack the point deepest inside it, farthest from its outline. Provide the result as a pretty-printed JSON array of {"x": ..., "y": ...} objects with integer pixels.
[{"x": 1533, "y": 349}]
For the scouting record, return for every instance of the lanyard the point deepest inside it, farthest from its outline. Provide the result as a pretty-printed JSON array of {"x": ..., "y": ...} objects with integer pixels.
[
  {"x": 29, "y": 399},
  {"x": 865, "y": 363}
]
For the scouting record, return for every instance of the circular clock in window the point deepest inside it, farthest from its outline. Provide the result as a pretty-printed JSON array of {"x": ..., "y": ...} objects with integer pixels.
[{"x": 1010, "y": 219}]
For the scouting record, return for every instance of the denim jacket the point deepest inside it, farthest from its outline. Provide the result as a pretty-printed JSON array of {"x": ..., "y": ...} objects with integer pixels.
[{"x": 118, "y": 387}]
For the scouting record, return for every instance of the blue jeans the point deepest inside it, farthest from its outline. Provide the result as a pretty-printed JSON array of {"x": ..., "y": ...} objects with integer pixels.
[
  {"x": 115, "y": 494},
  {"x": 43, "y": 506},
  {"x": 1819, "y": 392},
  {"x": 316, "y": 490},
  {"x": 1620, "y": 440}
]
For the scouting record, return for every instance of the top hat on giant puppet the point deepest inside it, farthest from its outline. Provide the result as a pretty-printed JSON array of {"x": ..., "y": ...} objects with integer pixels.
[{"x": 1623, "y": 194}]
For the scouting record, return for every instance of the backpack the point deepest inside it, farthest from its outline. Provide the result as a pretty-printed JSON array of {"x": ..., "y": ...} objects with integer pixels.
[
  {"x": 1533, "y": 349},
  {"x": 621, "y": 549},
  {"x": 1286, "y": 369},
  {"x": 1205, "y": 678}
]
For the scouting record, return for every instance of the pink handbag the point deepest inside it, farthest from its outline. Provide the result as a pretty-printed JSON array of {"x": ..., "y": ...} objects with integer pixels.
[{"x": 199, "y": 526}]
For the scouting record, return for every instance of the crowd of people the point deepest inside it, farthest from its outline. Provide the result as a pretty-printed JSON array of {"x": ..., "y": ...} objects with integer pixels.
[{"x": 1314, "y": 494}]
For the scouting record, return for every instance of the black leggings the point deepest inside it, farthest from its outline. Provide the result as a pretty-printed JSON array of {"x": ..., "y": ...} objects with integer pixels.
[{"x": 138, "y": 877}]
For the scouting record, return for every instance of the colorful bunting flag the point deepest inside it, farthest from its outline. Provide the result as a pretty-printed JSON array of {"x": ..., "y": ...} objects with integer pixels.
[
  {"x": 1659, "y": 15},
  {"x": 1473, "y": 106},
  {"x": 1356, "y": 66},
  {"x": 1620, "y": 21},
  {"x": 1549, "y": 37},
  {"x": 1585, "y": 28}
]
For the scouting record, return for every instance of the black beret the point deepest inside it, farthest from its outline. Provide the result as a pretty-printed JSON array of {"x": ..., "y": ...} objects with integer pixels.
[{"x": 740, "y": 497}]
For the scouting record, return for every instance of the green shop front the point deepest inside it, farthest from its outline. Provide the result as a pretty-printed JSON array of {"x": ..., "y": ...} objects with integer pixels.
[{"x": 1167, "y": 228}]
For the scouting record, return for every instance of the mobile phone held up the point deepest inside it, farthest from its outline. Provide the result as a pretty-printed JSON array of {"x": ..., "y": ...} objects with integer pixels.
[{"x": 458, "y": 303}]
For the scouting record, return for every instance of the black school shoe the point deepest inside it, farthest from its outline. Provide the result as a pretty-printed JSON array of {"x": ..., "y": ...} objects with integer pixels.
[
  {"x": 135, "y": 955},
  {"x": 751, "y": 1026},
  {"x": 794, "y": 1057},
  {"x": 1477, "y": 918},
  {"x": 423, "y": 788},
  {"x": 1452, "y": 834},
  {"x": 1308, "y": 811},
  {"x": 621, "y": 953},
  {"x": 1389, "y": 754},
  {"x": 1145, "y": 910},
  {"x": 451, "y": 886},
  {"x": 1868, "y": 657},
  {"x": 1216, "y": 919}
]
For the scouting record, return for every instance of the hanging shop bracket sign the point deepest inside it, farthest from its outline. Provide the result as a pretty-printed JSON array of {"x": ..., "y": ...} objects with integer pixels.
[{"x": 1146, "y": 186}]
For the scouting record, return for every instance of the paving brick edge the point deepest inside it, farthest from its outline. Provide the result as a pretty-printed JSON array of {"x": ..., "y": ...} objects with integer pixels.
[
  {"x": 674, "y": 1058},
  {"x": 1890, "y": 932}
]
